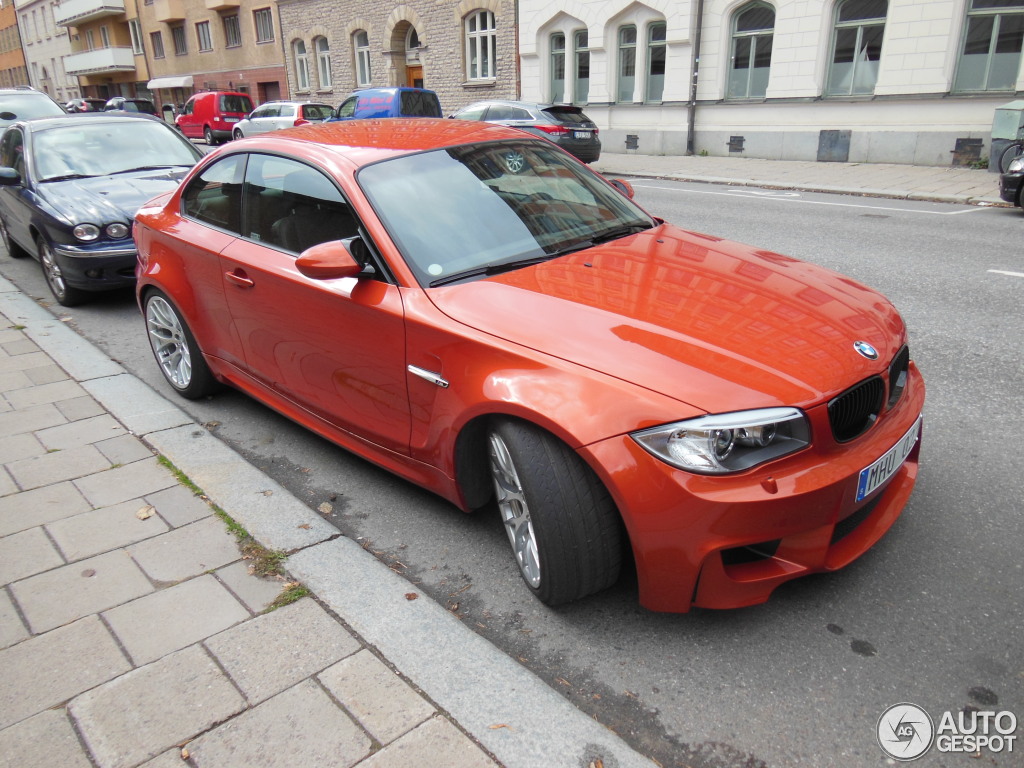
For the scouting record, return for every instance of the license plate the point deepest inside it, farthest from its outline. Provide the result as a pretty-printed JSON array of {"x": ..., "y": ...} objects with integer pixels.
[
  {"x": 875, "y": 475},
  {"x": 232, "y": 119},
  {"x": 583, "y": 134}
]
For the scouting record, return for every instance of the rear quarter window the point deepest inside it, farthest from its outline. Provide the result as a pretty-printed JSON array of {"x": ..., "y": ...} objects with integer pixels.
[
  {"x": 420, "y": 104},
  {"x": 235, "y": 104}
]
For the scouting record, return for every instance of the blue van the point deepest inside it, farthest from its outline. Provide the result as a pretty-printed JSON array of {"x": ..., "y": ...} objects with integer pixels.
[{"x": 389, "y": 102}]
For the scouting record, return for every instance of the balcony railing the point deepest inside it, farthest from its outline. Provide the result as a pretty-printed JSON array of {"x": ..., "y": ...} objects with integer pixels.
[
  {"x": 71, "y": 13},
  {"x": 100, "y": 60}
]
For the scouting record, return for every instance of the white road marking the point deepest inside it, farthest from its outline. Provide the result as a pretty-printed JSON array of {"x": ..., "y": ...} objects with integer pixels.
[
  {"x": 1003, "y": 272},
  {"x": 792, "y": 198}
]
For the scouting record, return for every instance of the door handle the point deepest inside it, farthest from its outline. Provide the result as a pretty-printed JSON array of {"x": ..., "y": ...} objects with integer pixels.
[{"x": 239, "y": 278}]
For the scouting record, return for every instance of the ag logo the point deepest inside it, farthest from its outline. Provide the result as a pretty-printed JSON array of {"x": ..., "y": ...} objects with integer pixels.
[{"x": 905, "y": 732}]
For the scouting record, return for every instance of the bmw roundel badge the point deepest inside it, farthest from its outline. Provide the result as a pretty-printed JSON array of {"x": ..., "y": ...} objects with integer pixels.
[{"x": 866, "y": 350}]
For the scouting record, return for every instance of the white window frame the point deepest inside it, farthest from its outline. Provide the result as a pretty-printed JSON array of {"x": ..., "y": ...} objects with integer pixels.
[
  {"x": 179, "y": 40},
  {"x": 232, "y": 31},
  {"x": 481, "y": 46},
  {"x": 135, "y": 31},
  {"x": 361, "y": 49},
  {"x": 203, "y": 37},
  {"x": 263, "y": 21},
  {"x": 998, "y": 16},
  {"x": 579, "y": 95},
  {"x": 756, "y": 37},
  {"x": 323, "y": 62},
  {"x": 557, "y": 85},
  {"x": 626, "y": 58},
  {"x": 301, "y": 61},
  {"x": 653, "y": 46}
]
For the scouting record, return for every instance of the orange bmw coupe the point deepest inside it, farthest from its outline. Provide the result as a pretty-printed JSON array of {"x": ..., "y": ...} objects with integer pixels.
[{"x": 480, "y": 313}]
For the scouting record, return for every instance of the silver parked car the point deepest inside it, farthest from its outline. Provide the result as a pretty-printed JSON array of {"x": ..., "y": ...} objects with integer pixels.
[
  {"x": 564, "y": 124},
  {"x": 275, "y": 115}
]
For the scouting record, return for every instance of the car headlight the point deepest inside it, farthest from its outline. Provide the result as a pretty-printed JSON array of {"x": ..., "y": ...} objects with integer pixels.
[
  {"x": 86, "y": 232},
  {"x": 1016, "y": 165},
  {"x": 729, "y": 442},
  {"x": 117, "y": 230}
]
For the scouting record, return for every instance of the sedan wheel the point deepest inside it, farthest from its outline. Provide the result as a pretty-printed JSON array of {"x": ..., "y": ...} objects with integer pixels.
[
  {"x": 64, "y": 294},
  {"x": 237, "y": 135},
  {"x": 180, "y": 360},
  {"x": 208, "y": 136},
  {"x": 14, "y": 250},
  {"x": 564, "y": 529}
]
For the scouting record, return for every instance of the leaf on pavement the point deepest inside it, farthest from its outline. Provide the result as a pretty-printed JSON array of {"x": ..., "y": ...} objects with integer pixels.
[{"x": 146, "y": 512}]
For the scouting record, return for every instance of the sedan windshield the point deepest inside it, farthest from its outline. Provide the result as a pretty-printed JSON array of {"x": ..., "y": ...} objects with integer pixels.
[
  {"x": 469, "y": 211},
  {"x": 100, "y": 149}
]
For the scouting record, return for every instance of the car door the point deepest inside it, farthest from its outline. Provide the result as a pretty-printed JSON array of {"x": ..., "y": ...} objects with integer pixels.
[
  {"x": 261, "y": 120},
  {"x": 285, "y": 117},
  {"x": 16, "y": 200},
  {"x": 335, "y": 348}
]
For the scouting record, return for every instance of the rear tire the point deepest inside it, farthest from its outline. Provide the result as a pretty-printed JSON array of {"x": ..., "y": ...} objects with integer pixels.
[
  {"x": 563, "y": 526},
  {"x": 180, "y": 360},
  {"x": 208, "y": 136}
]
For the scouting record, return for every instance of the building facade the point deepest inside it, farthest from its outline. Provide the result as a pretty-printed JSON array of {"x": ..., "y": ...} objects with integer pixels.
[
  {"x": 13, "y": 69},
  {"x": 903, "y": 81},
  {"x": 44, "y": 44},
  {"x": 465, "y": 51},
  {"x": 200, "y": 45}
]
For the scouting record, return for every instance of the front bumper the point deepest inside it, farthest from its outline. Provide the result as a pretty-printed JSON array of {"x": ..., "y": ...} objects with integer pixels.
[
  {"x": 1009, "y": 187},
  {"x": 100, "y": 268},
  {"x": 729, "y": 541}
]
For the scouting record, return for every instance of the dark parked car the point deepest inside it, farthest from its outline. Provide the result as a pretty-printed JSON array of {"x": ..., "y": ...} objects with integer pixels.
[
  {"x": 70, "y": 187},
  {"x": 24, "y": 103},
  {"x": 122, "y": 104},
  {"x": 85, "y": 105},
  {"x": 565, "y": 125},
  {"x": 1011, "y": 188}
]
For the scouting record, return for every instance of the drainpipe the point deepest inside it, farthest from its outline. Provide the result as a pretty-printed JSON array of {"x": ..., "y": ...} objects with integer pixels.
[{"x": 691, "y": 106}]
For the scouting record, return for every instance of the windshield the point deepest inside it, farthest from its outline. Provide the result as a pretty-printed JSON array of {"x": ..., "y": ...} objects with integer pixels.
[
  {"x": 456, "y": 210},
  {"x": 100, "y": 149}
]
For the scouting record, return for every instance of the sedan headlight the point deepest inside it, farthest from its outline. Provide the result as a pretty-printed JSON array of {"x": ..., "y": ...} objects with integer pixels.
[
  {"x": 117, "y": 230},
  {"x": 730, "y": 442},
  {"x": 86, "y": 232},
  {"x": 1016, "y": 165}
]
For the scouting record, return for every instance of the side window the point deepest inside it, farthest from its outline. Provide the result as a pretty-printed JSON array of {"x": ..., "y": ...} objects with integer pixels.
[
  {"x": 7, "y": 156},
  {"x": 500, "y": 112},
  {"x": 347, "y": 108},
  {"x": 474, "y": 113},
  {"x": 214, "y": 197},
  {"x": 286, "y": 110},
  {"x": 292, "y": 206},
  {"x": 519, "y": 114},
  {"x": 190, "y": 106}
]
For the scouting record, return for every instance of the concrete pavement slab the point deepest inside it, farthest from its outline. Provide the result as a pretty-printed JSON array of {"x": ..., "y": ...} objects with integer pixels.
[
  {"x": 7, "y": 484},
  {"x": 26, "y": 554},
  {"x": 44, "y": 741},
  {"x": 277, "y": 650},
  {"x": 64, "y": 594},
  {"x": 40, "y": 506},
  {"x": 169, "y": 759},
  {"x": 45, "y": 374},
  {"x": 179, "y": 506},
  {"x": 187, "y": 551},
  {"x": 255, "y": 592},
  {"x": 20, "y": 447},
  {"x": 56, "y": 466},
  {"x": 44, "y": 393},
  {"x": 30, "y": 419},
  {"x": 49, "y": 669},
  {"x": 439, "y": 737},
  {"x": 82, "y": 432},
  {"x": 80, "y": 408},
  {"x": 299, "y": 727},
  {"x": 104, "y": 529},
  {"x": 24, "y": 362},
  {"x": 10, "y": 380},
  {"x": 128, "y": 482},
  {"x": 123, "y": 723},
  {"x": 12, "y": 628},
  {"x": 124, "y": 449},
  {"x": 135, "y": 404},
  {"x": 173, "y": 618},
  {"x": 20, "y": 346},
  {"x": 379, "y": 699}
]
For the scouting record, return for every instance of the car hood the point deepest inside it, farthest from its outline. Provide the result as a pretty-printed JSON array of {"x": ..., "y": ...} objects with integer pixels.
[
  {"x": 715, "y": 324},
  {"x": 106, "y": 199}
]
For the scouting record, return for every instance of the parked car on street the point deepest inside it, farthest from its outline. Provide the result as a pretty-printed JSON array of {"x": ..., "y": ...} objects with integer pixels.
[
  {"x": 212, "y": 115},
  {"x": 565, "y": 125},
  {"x": 376, "y": 103},
  {"x": 123, "y": 104},
  {"x": 477, "y": 311},
  {"x": 275, "y": 115},
  {"x": 24, "y": 103},
  {"x": 69, "y": 189},
  {"x": 1011, "y": 183},
  {"x": 85, "y": 105}
]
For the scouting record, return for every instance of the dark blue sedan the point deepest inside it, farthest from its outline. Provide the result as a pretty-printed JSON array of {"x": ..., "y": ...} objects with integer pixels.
[{"x": 69, "y": 190}]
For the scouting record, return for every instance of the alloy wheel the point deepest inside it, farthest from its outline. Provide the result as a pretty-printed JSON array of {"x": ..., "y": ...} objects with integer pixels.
[
  {"x": 515, "y": 512},
  {"x": 167, "y": 337}
]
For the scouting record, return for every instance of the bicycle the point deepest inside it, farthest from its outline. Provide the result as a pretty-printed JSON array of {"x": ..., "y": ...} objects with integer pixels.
[{"x": 1011, "y": 153}]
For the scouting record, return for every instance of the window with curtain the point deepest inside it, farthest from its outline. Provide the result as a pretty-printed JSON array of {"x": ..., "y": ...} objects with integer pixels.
[
  {"x": 361, "y": 46},
  {"x": 656, "y": 56},
  {"x": 856, "y": 47},
  {"x": 301, "y": 65},
  {"x": 581, "y": 63},
  {"x": 557, "y": 68},
  {"x": 323, "y": 61},
  {"x": 627, "y": 64},
  {"x": 481, "y": 45},
  {"x": 753, "y": 30},
  {"x": 991, "y": 53}
]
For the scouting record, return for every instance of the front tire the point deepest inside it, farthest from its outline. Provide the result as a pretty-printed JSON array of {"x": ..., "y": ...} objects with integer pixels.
[
  {"x": 237, "y": 134},
  {"x": 66, "y": 295},
  {"x": 14, "y": 250},
  {"x": 563, "y": 526},
  {"x": 208, "y": 136},
  {"x": 175, "y": 349}
]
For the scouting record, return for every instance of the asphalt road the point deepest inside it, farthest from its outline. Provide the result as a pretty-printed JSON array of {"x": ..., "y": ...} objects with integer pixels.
[{"x": 932, "y": 615}]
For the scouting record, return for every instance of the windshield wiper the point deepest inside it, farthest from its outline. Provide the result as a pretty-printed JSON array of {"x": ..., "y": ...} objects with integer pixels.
[
  {"x": 151, "y": 168},
  {"x": 69, "y": 177},
  {"x": 616, "y": 232},
  {"x": 493, "y": 269}
]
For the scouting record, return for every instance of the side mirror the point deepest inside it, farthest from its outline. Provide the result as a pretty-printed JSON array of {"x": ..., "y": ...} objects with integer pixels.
[
  {"x": 623, "y": 186},
  {"x": 9, "y": 177},
  {"x": 329, "y": 261}
]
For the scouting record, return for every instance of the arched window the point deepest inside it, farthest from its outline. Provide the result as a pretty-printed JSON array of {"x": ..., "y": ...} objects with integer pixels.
[
  {"x": 481, "y": 46},
  {"x": 557, "y": 68},
  {"x": 581, "y": 56},
  {"x": 627, "y": 63},
  {"x": 323, "y": 61},
  {"x": 301, "y": 65},
  {"x": 361, "y": 46},
  {"x": 752, "y": 32},
  {"x": 656, "y": 54},
  {"x": 856, "y": 47},
  {"x": 990, "y": 60}
]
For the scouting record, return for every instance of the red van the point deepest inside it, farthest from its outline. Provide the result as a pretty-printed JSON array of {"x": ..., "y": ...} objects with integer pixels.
[{"x": 212, "y": 115}]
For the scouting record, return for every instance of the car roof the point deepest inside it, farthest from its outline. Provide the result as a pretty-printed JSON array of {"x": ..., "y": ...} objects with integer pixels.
[
  {"x": 527, "y": 104},
  {"x": 43, "y": 123},
  {"x": 367, "y": 141}
]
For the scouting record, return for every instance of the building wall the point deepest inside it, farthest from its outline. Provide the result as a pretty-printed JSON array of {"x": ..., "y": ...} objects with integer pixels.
[
  {"x": 913, "y": 115},
  {"x": 442, "y": 52},
  {"x": 115, "y": 83},
  {"x": 44, "y": 45},
  {"x": 12, "y": 59}
]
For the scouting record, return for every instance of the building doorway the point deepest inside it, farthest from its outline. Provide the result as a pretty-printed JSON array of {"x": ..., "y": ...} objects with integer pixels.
[{"x": 414, "y": 76}]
